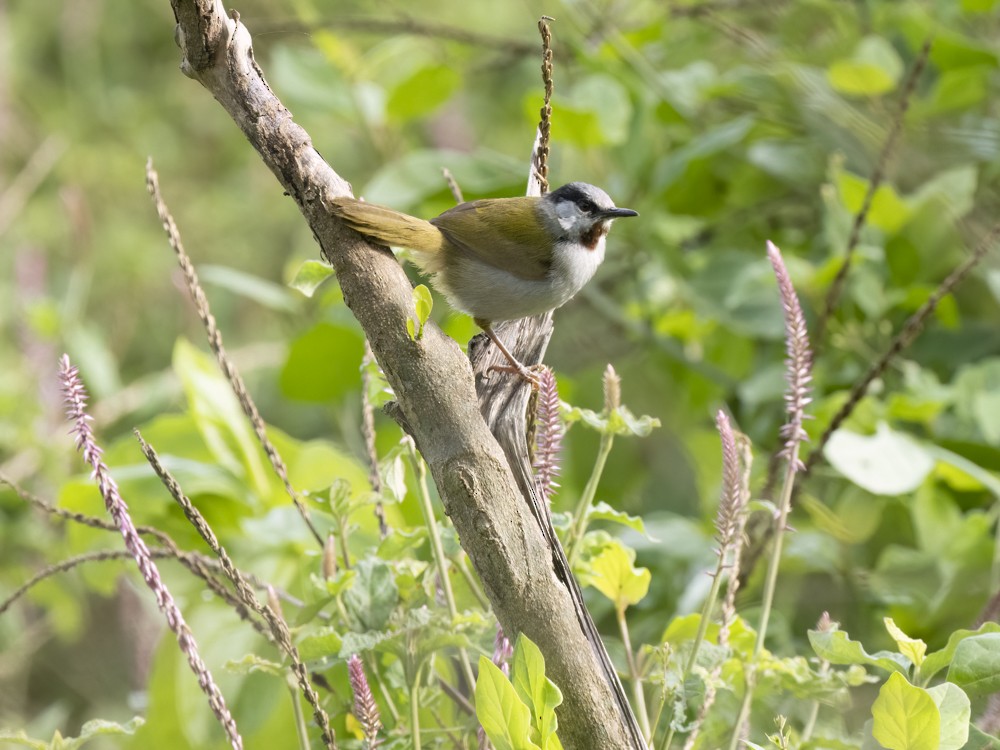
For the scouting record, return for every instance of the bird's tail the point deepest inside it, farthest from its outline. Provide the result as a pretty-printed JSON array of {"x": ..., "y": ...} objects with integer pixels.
[{"x": 389, "y": 227}]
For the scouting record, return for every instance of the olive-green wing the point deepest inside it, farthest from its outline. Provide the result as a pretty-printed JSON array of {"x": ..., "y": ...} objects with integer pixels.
[{"x": 506, "y": 233}]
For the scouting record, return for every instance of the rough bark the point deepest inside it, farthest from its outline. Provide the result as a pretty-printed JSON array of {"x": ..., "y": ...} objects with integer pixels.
[{"x": 434, "y": 385}]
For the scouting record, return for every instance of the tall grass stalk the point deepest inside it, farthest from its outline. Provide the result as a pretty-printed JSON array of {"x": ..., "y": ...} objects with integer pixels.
[{"x": 798, "y": 364}]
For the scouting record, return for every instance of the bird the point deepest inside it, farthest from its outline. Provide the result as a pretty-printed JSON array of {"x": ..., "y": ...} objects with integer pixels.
[{"x": 500, "y": 259}]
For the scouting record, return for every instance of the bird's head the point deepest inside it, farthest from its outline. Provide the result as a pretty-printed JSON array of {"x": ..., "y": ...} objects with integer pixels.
[{"x": 583, "y": 213}]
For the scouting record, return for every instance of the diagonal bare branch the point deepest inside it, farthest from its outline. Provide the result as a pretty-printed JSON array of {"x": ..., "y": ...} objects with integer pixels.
[{"x": 433, "y": 382}]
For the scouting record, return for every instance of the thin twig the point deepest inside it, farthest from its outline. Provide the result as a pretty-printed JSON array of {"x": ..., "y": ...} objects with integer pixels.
[
  {"x": 68, "y": 564},
  {"x": 837, "y": 287},
  {"x": 906, "y": 336},
  {"x": 196, "y": 563},
  {"x": 215, "y": 342},
  {"x": 453, "y": 186},
  {"x": 75, "y": 396},
  {"x": 541, "y": 156},
  {"x": 246, "y": 593}
]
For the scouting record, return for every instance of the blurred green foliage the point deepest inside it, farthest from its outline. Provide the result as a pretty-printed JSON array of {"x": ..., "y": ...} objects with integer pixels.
[{"x": 723, "y": 123}]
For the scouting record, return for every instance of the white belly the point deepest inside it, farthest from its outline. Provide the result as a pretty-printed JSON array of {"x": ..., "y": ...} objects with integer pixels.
[{"x": 490, "y": 293}]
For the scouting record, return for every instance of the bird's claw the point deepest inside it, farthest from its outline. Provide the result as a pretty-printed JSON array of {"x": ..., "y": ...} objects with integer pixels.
[{"x": 525, "y": 373}]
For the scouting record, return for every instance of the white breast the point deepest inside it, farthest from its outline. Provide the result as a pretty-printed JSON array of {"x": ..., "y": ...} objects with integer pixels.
[{"x": 493, "y": 294}]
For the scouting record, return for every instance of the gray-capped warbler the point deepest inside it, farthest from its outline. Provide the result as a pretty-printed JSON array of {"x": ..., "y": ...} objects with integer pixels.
[{"x": 501, "y": 258}]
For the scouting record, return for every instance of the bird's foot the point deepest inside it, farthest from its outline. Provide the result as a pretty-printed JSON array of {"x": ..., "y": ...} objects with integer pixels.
[{"x": 528, "y": 374}]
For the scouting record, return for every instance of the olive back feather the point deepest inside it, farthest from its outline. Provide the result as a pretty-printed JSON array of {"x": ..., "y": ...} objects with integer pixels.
[{"x": 505, "y": 233}]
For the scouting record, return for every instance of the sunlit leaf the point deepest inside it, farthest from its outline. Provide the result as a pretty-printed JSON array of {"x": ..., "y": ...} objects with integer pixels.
[
  {"x": 836, "y": 647},
  {"x": 502, "y": 714},
  {"x": 538, "y": 692},
  {"x": 310, "y": 275},
  {"x": 913, "y": 649},
  {"x": 613, "y": 573},
  {"x": 886, "y": 463},
  {"x": 906, "y": 717},
  {"x": 955, "y": 710}
]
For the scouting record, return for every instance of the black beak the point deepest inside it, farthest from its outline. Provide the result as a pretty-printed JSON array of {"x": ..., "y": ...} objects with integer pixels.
[{"x": 618, "y": 213}]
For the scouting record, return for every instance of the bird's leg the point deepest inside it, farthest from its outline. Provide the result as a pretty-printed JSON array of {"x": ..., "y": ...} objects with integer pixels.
[{"x": 515, "y": 365}]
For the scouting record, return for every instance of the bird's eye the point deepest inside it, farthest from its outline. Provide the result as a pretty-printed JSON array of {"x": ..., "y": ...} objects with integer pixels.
[{"x": 586, "y": 206}]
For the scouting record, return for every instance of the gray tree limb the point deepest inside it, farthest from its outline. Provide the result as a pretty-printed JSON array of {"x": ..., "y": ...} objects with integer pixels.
[{"x": 434, "y": 385}]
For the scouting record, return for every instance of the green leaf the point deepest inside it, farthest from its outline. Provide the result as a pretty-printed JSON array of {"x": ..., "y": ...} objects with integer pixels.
[
  {"x": 886, "y": 463},
  {"x": 940, "y": 659},
  {"x": 873, "y": 69},
  {"x": 979, "y": 740},
  {"x": 836, "y": 647},
  {"x": 321, "y": 644},
  {"x": 262, "y": 291},
  {"x": 251, "y": 663},
  {"x": 853, "y": 519},
  {"x": 538, "y": 692},
  {"x": 309, "y": 276},
  {"x": 976, "y": 665},
  {"x": 373, "y": 594},
  {"x": 976, "y": 389},
  {"x": 423, "y": 303},
  {"x": 323, "y": 363},
  {"x": 595, "y": 111},
  {"x": 612, "y": 572},
  {"x": 858, "y": 78},
  {"x": 913, "y": 649},
  {"x": 422, "y": 92},
  {"x": 404, "y": 182},
  {"x": 905, "y": 717},
  {"x": 888, "y": 211},
  {"x": 956, "y": 711},
  {"x": 502, "y": 714},
  {"x": 23, "y": 740},
  {"x": 91, "y": 730},
  {"x": 219, "y": 417},
  {"x": 708, "y": 143},
  {"x": 601, "y": 511},
  {"x": 621, "y": 421},
  {"x": 357, "y": 643}
]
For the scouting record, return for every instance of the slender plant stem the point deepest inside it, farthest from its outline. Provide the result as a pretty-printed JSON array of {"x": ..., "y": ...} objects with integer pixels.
[
  {"x": 383, "y": 690},
  {"x": 814, "y": 709},
  {"x": 706, "y": 616},
  {"x": 699, "y": 638},
  {"x": 440, "y": 560},
  {"x": 637, "y": 692},
  {"x": 301, "y": 731},
  {"x": 415, "y": 709},
  {"x": 659, "y": 715},
  {"x": 668, "y": 740},
  {"x": 587, "y": 498},
  {"x": 471, "y": 581},
  {"x": 770, "y": 584},
  {"x": 342, "y": 533}
]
